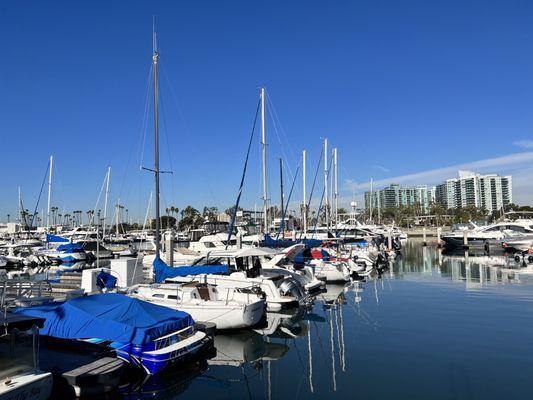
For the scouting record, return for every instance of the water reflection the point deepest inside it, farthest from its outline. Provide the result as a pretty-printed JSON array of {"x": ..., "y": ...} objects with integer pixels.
[{"x": 436, "y": 324}]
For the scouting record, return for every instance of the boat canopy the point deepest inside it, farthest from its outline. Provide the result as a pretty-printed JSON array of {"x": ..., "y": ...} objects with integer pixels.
[
  {"x": 108, "y": 316},
  {"x": 55, "y": 239},
  {"x": 69, "y": 247},
  {"x": 163, "y": 271}
]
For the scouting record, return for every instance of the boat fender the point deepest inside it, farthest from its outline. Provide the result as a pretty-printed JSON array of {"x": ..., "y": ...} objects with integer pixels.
[
  {"x": 517, "y": 258},
  {"x": 530, "y": 259}
]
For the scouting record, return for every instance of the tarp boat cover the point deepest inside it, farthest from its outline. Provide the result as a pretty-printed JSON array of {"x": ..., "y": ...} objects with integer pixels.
[
  {"x": 163, "y": 271},
  {"x": 55, "y": 239},
  {"x": 109, "y": 316},
  {"x": 269, "y": 242}
]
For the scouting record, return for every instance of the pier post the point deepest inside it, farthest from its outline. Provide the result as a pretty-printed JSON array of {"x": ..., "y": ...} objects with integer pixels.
[
  {"x": 439, "y": 231},
  {"x": 424, "y": 242},
  {"x": 389, "y": 240},
  {"x": 465, "y": 239}
]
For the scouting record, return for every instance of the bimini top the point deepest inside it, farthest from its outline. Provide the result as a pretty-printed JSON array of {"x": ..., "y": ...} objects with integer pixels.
[
  {"x": 108, "y": 316},
  {"x": 163, "y": 271}
]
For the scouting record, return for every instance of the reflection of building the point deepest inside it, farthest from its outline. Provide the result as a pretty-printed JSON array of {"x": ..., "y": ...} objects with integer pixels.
[
  {"x": 490, "y": 192},
  {"x": 396, "y": 196}
]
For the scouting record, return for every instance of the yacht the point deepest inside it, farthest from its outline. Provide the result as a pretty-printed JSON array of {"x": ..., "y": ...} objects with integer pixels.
[{"x": 491, "y": 234}]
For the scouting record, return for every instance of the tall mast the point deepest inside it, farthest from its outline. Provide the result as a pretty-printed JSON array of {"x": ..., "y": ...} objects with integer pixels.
[
  {"x": 371, "y": 197},
  {"x": 108, "y": 178},
  {"x": 263, "y": 156},
  {"x": 49, "y": 192},
  {"x": 155, "y": 57},
  {"x": 326, "y": 174},
  {"x": 20, "y": 207},
  {"x": 304, "y": 161},
  {"x": 336, "y": 187},
  {"x": 281, "y": 194}
]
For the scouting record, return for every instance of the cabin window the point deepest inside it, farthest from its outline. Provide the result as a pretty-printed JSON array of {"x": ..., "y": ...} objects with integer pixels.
[
  {"x": 209, "y": 244},
  {"x": 158, "y": 296},
  {"x": 517, "y": 228},
  {"x": 194, "y": 295},
  {"x": 172, "y": 297}
]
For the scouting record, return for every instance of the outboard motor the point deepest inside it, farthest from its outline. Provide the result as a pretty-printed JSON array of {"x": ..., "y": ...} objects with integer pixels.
[{"x": 291, "y": 287}]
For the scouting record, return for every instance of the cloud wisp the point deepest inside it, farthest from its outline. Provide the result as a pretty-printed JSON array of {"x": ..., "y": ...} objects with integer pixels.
[
  {"x": 519, "y": 165},
  {"x": 525, "y": 144},
  {"x": 381, "y": 168}
]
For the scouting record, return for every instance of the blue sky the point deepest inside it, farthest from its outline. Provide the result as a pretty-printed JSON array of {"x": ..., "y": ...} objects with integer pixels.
[{"x": 408, "y": 92}]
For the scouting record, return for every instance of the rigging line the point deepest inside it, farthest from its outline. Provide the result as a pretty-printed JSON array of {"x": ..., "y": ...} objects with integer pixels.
[
  {"x": 308, "y": 205},
  {"x": 132, "y": 144},
  {"x": 282, "y": 222},
  {"x": 241, "y": 186},
  {"x": 144, "y": 121},
  {"x": 175, "y": 98},
  {"x": 40, "y": 193},
  {"x": 280, "y": 143},
  {"x": 320, "y": 204},
  {"x": 165, "y": 134},
  {"x": 275, "y": 113}
]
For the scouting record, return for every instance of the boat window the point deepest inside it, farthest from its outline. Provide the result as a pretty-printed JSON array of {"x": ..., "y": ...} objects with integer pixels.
[
  {"x": 209, "y": 244},
  {"x": 172, "y": 297},
  {"x": 493, "y": 229},
  {"x": 517, "y": 228},
  {"x": 158, "y": 296}
]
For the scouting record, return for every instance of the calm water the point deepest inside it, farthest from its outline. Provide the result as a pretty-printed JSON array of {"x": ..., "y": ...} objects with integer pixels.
[{"x": 434, "y": 326}]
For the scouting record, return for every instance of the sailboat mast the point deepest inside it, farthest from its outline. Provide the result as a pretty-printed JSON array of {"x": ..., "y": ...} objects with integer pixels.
[
  {"x": 304, "y": 161},
  {"x": 155, "y": 58},
  {"x": 49, "y": 192},
  {"x": 336, "y": 187},
  {"x": 326, "y": 175},
  {"x": 108, "y": 178},
  {"x": 263, "y": 156},
  {"x": 282, "y": 222}
]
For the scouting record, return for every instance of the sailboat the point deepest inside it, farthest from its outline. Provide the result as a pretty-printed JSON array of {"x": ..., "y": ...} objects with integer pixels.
[
  {"x": 236, "y": 309},
  {"x": 143, "y": 334}
]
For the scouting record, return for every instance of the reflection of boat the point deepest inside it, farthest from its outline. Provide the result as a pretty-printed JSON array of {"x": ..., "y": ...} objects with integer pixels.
[
  {"x": 245, "y": 347},
  {"x": 285, "y": 323},
  {"x": 166, "y": 385},
  {"x": 482, "y": 260}
]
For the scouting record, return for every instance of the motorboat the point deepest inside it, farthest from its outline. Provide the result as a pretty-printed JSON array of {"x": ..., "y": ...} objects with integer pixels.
[
  {"x": 238, "y": 309},
  {"x": 245, "y": 272},
  {"x": 20, "y": 376},
  {"x": 145, "y": 335},
  {"x": 286, "y": 264},
  {"x": 490, "y": 234}
]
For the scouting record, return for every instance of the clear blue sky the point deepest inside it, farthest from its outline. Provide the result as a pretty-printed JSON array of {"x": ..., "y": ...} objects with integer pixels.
[{"x": 400, "y": 87}]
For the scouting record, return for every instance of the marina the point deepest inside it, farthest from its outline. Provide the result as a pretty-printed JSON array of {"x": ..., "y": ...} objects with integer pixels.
[{"x": 266, "y": 201}]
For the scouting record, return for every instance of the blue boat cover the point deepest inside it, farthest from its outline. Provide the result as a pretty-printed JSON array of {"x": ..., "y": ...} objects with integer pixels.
[
  {"x": 269, "y": 242},
  {"x": 106, "y": 280},
  {"x": 163, "y": 271},
  {"x": 69, "y": 247},
  {"x": 55, "y": 239},
  {"x": 109, "y": 316}
]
